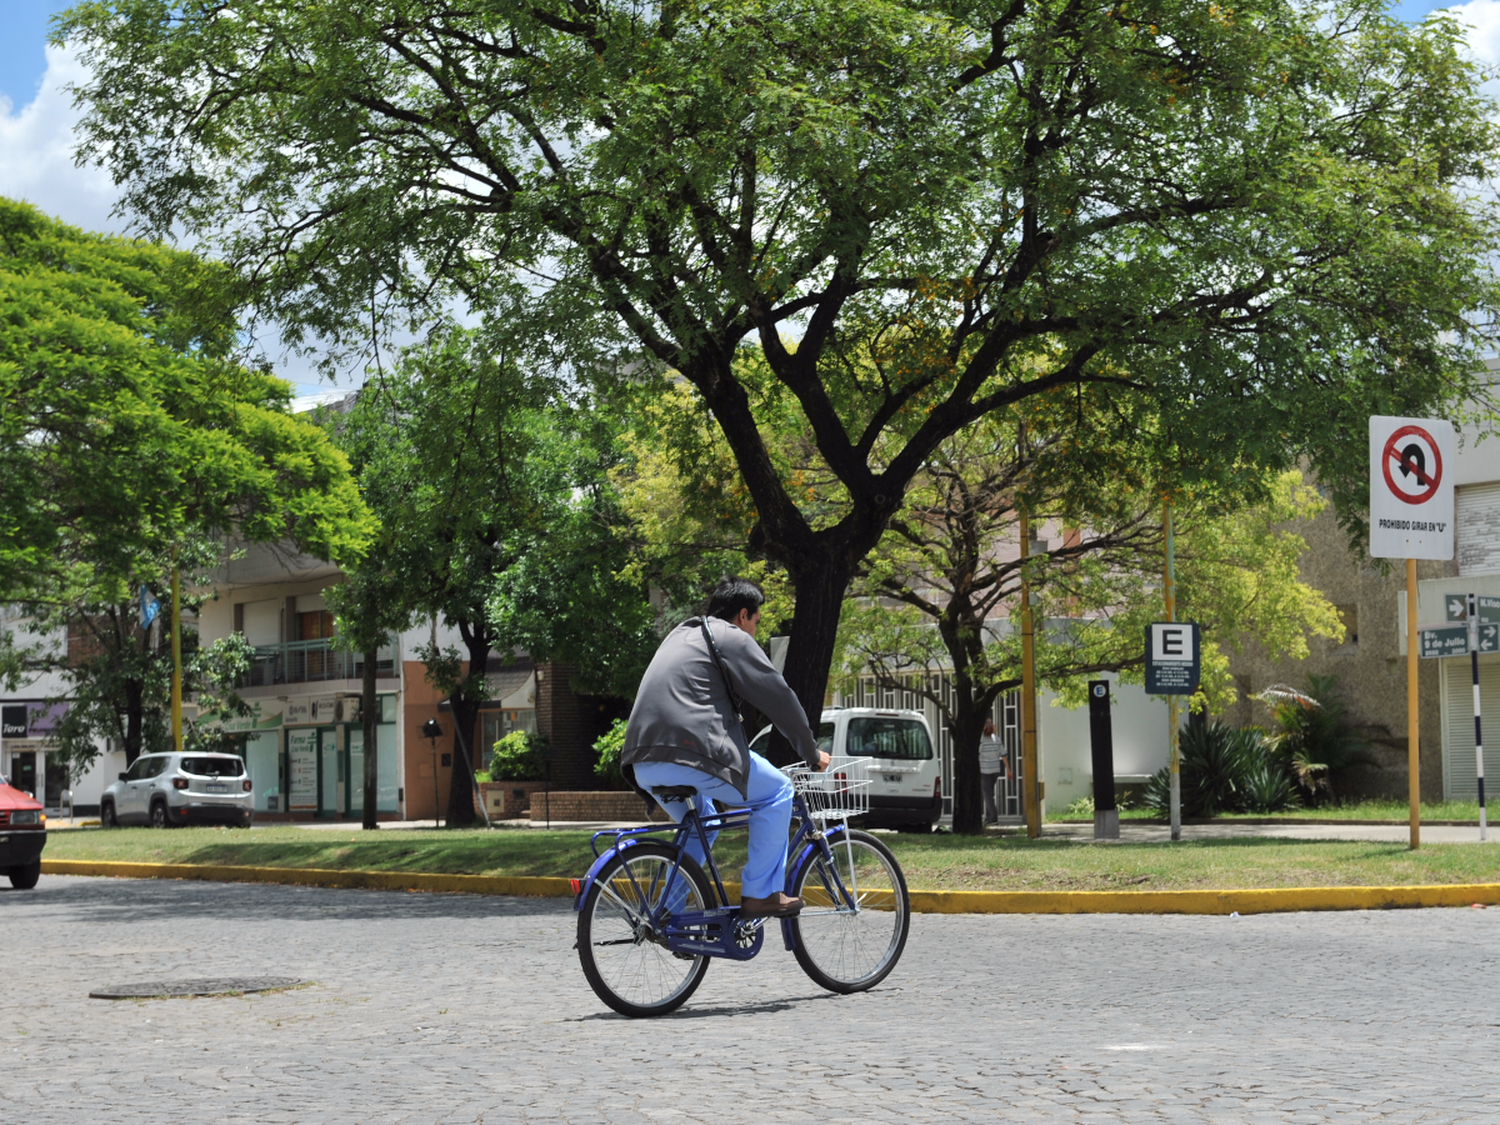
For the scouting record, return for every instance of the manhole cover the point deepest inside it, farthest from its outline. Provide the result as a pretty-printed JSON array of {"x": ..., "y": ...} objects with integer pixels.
[{"x": 209, "y": 986}]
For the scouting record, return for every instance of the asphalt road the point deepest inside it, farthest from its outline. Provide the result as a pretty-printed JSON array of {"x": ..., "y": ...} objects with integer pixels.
[{"x": 437, "y": 1008}]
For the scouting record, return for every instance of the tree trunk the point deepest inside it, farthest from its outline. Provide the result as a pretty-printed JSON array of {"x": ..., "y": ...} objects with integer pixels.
[
  {"x": 368, "y": 703},
  {"x": 968, "y": 725},
  {"x": 134, "y": 720},
  {"x": 820, "y": 596},
  {"x": 461, "y": 780}
]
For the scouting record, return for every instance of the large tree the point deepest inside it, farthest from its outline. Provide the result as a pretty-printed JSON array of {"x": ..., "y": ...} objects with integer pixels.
[
  {"x": 130, "y": 435},
  {"x": 494, "y": 520},
  {"x": 1256, "y": 211},
  {"x": 127, "y": 423},
  {"x": 942, "y": 591}
]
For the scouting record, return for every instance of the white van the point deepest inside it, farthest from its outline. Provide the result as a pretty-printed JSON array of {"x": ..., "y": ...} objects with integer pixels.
[{"x": 907, "y": 780}]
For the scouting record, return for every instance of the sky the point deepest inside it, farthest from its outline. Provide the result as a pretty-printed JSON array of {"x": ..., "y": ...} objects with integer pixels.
[{"x": 37, "y": 117}]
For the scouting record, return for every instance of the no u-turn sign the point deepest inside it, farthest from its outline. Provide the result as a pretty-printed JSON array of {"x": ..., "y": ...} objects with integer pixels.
[{"x": 1411, "y": 488}]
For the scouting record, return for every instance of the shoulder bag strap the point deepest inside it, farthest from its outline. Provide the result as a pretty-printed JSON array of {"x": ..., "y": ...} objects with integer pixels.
[{"x": 734, "y": 696}]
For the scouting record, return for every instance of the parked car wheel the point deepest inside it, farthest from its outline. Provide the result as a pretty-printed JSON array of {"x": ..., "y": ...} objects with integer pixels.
[
  {"x": 23, "y": 878},
  {"x": 107, "y": 815},
  {"x": 159, "y": 815}
]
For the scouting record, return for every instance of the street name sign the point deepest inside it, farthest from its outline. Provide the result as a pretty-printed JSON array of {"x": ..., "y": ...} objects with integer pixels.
[
  {"x": 1444, "y": 640},
  {"x": 1486, "y": 608},
  {"x": 1488, "y": 639},
  {"x": 1173, "y": 658},
  {"x": 1411, "y": 488}
]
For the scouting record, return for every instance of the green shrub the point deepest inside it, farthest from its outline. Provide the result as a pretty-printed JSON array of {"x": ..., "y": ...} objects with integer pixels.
[
  {"x": 1216, "y": 759},
  {"x": 483, "y": 777},
  {"x": 519, "y": 756},
  {"x": 1269, "y": 788},
  {"x": 1316, "y": 738},
  {"x": 1216, "y": 762},
  {"x": 608, "y": 746},
  {"x": 1082, "y": 807}
]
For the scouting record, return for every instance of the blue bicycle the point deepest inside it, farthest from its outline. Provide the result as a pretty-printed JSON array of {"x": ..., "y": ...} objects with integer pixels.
[{"x": 650, "y": 918}]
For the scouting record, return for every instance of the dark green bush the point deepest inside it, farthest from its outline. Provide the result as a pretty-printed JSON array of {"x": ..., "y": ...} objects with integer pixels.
[
  {"x": 1224, "y": 769},
  {"x": 519, "y": 756},
  {"x": 608, "y": 747},
  {"x": 1269, "y": 788},
  {"x": 1315, "y": 738}
]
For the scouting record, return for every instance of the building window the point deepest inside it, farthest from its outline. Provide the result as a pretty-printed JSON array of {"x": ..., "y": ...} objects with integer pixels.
[
  {"x": 495, "y": 725},
  {"x": 1349, "y": 617}
]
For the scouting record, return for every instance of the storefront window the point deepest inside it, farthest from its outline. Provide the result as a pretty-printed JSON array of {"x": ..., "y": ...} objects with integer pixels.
[
  {"x": 263, "y": 760},
  {"x": 497, "y": 724}
]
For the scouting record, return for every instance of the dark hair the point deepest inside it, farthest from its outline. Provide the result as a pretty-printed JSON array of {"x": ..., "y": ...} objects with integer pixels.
[{"x": 733, "y": 595}]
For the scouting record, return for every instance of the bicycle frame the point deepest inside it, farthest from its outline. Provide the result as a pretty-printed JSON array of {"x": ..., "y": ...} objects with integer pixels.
[{"x": 706, "y": 933}]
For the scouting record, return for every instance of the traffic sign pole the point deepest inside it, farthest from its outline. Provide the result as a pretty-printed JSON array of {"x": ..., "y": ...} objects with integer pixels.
[
  {"x": 1411, "y": 518},
  {"x": 1175, "y": 758},
  {"x": 1478, "y": 747},
  {"x": 1478, "y": 730},
  {"x": 1413, "y": 726}
]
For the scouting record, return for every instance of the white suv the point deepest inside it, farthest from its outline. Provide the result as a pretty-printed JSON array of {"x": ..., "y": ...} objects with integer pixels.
[
  {"x": 907, "y": 778},
  {"x": 164, "y": 790}
]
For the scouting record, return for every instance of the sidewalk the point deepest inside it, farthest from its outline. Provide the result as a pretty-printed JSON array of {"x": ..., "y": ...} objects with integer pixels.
[
  {"x": 1131, "y": 832},
  {"x": 1136, "y": 832}
]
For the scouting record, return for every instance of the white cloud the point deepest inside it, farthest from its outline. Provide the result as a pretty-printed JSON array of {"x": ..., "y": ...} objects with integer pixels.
[
  {"x": 1483, "y": 20},
  {"x": 36, "y": 153},
  {"x": 36, "y": 165}
]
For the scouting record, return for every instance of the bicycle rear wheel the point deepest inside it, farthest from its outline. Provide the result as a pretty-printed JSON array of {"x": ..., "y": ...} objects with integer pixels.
[
  {"x": 844, "y": 949},
  {"x": 620, "y": 944}
]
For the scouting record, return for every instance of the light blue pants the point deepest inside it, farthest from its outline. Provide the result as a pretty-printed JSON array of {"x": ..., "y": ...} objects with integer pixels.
[{"x": 769, "y": 798}]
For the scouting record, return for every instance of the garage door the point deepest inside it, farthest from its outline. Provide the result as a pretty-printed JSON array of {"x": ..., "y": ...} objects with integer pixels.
[{"x": 1458, "y": 727}]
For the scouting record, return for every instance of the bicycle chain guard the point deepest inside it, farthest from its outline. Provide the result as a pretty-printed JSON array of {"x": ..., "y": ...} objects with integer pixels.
[{"x": 716, "y": 933}]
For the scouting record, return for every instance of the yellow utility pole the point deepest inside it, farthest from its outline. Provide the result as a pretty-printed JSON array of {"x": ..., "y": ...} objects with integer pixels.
[
  {"x": 176, "y": 656},
  {"x": 1031, "y": 790},
  {"x": 1170, "y": 587},
  {"x": 1413, "y": 723}
]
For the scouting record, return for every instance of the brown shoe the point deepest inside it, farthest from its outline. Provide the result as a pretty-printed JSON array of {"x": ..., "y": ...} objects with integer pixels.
[{"x": 772, "y": 906}]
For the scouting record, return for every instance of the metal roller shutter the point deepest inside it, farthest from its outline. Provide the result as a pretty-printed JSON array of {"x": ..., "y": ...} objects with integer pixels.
[
  {"x": 1477, "y": 523},
  {"x": 262, "y": 622},
  {"x": 1458, "y": 727}
]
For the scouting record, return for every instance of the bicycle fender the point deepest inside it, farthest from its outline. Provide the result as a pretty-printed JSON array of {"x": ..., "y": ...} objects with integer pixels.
[
  {"x": 581, "y": 886},
  {"x": 794, "y": 869}
]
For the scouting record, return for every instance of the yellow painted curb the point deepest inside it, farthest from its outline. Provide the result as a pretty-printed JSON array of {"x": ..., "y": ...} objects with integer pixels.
[
  {"x": 1204, "y": 902},
  {"x": 521, "y": 885},
  {"x": 923, "y": 902}
]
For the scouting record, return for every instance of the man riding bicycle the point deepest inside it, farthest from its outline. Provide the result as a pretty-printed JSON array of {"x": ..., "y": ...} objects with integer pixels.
[{"x": 685, "y": 730}]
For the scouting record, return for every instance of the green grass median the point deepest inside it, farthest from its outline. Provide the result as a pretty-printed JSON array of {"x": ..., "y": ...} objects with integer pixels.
[
  {"x": 931, "y": 863},
  {"x": 1383, "y": 812}
]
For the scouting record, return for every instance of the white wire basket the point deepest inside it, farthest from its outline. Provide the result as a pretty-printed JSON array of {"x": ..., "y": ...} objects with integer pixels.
[{"x": 840, "y": 792}]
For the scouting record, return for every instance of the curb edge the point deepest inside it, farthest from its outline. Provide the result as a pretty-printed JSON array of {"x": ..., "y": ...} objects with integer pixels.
[{"x": 923, "y": 902}]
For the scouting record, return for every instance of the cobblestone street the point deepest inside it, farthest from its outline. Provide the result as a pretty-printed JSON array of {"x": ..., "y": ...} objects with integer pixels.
[{"x": 429, "y": 1008}]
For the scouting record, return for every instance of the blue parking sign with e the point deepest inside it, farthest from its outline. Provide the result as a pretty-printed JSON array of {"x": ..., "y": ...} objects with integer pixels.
[{"x": 1173, "y": 658}]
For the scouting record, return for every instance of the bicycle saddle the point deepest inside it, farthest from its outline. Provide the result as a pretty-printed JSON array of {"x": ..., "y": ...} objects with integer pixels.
[{"x": 674, "y": 792}]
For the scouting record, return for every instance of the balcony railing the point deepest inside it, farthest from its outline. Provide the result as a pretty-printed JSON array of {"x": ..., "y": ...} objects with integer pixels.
[{"x": 306, "y": 662}]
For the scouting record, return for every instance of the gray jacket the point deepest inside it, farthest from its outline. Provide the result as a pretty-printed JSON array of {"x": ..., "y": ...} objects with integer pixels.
[{"x": 683, "y": 712}]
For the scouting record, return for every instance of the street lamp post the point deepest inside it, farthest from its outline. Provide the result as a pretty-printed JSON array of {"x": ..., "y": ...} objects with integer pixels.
[{"x": 432, "y": 730}]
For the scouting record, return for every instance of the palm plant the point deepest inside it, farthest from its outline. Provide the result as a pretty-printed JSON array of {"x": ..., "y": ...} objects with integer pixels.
[
  {"x": 1216, "y": 761},
  {"x": 1315, "y": 736}
]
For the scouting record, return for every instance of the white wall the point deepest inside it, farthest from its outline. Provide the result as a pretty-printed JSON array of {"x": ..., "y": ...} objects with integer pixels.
[{"x": 1139, "y": 725}]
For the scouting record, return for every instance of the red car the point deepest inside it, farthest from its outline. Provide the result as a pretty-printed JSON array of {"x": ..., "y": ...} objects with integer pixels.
[{"x": 23, "y": 835}]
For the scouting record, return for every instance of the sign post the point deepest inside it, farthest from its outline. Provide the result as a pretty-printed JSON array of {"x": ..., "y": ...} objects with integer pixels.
[
  {"x": 1102, "y": 753},
  {"x": 1480, "y": 615},
  {"x": 1411, "y": 518},
  {"x": 1173, "y": 665}
]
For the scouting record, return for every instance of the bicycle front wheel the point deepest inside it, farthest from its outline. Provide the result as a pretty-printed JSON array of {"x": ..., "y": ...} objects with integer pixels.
[
  {"x": 844, "y": 948},
  {"x": 620, "y": 941}
]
